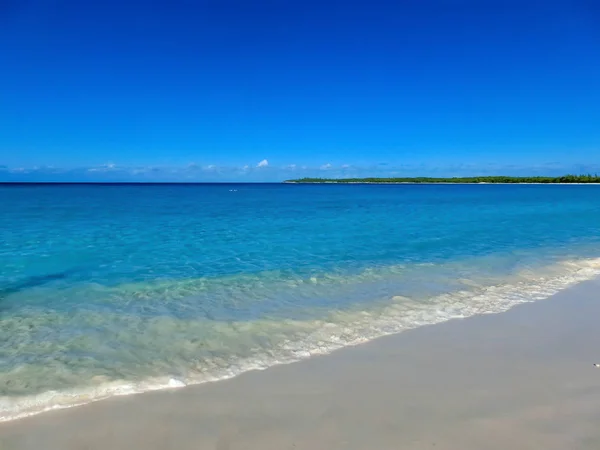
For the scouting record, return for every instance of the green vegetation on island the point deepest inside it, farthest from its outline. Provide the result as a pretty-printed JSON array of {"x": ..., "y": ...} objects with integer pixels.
[{"x": 565, "y": 179}]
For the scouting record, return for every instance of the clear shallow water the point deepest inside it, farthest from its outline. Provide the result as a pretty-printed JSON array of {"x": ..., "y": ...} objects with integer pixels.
[{"x": 108, "y": 290}]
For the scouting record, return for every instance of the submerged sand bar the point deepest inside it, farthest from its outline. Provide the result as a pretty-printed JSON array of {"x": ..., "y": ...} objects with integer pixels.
[{"x": 523, "y": 379}]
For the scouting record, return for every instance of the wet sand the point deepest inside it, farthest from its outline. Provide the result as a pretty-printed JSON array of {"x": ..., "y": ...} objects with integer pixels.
[{"x": 523, "y": 379}]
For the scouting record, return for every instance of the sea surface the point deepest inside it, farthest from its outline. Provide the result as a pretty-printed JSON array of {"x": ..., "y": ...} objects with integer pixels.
[{"x": 117, "y": 289}]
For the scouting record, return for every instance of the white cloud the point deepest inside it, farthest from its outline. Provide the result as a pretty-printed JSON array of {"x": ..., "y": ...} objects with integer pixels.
[
  {"x": 266, "y": 172},
  {"x": 103, "y": 168}
]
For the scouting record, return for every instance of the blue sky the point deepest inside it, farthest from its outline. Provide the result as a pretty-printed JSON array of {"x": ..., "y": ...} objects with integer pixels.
[{"x": 267, "y": 90}]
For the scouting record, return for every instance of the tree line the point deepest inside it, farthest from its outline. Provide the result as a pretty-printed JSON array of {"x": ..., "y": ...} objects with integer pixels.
[{"x": 565, "y": 179}]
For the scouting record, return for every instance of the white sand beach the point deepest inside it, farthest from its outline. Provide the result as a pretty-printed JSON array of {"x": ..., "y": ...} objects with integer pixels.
[{"x": 523, "y": 379}]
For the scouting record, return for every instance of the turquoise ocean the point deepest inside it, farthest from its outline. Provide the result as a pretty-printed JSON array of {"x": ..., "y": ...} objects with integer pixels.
[{"x": 119, "y": 289}]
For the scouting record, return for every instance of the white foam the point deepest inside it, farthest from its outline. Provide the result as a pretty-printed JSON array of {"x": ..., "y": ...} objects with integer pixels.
[
  {"x": 324, "y": 336},
  {"x": 173, "y": 383}
]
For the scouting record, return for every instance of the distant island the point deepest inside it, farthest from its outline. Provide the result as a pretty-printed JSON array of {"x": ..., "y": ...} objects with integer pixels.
[{"x": 565, "y": 179}]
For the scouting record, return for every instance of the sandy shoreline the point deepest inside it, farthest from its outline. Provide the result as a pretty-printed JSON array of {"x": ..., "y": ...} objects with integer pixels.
[
  {"x": 523, "y": 379},
  {"x": 445, "y": 183}
]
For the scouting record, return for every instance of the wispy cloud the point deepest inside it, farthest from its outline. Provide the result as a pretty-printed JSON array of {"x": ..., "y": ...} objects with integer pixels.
[
  {"x": 104, "y": 168},
  {"x": 263, "y": 171}
]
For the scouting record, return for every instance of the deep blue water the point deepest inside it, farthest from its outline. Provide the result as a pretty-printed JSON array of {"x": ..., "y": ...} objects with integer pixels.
[{"x": 109, "y": 289}]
